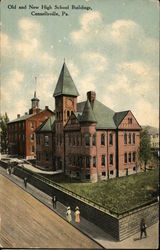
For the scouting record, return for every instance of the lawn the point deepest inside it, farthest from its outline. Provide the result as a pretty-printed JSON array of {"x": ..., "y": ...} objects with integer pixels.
[{"x": 117, "y": 195}]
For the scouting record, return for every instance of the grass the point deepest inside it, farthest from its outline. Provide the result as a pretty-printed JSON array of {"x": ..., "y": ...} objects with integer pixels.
[{"x": 117, "y": 195}]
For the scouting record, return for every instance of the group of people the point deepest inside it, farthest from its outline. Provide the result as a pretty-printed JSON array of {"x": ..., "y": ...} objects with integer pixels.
[
  {"x": 68, "y": 213},
  {"x": 76, "y": 213}
]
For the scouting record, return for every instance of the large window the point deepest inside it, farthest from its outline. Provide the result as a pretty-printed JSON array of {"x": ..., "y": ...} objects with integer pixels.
[
  {"x": 129, "y": 138},
  {"x": 94, "y": 161},
  {"x": 125, "y": 157},
  {"x": 125, "y": 138},
  {"x": 46, "y": 140},
  {"x": 87, "y": 140},
  {"x": 32, "y": 137},
  {"x": 129, "y": 157},
  {"x": 111, "y": 159},
  {"x": 111, "y": 139},
  {"x": 102, "y": 139},
  {"x": 87, "y": 161},
  {"x": 94, "y": 140},
  {"x": 103, "y": 160},
  {"x": 134, "y": 156},
  {"x": 134, "y": 138}
]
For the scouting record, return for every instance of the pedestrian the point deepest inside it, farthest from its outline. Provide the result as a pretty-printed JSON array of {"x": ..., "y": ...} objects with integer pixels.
[
  {"x": 68, "y": 214},
  {"x": 54, "y": 201},
  {"x": 9, "y": 170},
  {"x": 25, "y": 182},
  {"x": 77, "y": 215},
  {"x": 143, "y": 227}
]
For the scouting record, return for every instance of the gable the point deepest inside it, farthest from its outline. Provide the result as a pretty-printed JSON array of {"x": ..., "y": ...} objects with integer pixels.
[
  {"x": 129, "y": 122},
  {"x": 72, "y": 123}
]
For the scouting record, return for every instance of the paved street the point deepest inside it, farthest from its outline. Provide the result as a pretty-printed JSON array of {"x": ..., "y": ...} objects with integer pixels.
[{"x": 88, "y": 228}]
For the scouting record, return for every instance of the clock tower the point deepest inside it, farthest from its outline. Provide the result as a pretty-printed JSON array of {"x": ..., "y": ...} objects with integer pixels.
[{"x": 65, "y": 103}]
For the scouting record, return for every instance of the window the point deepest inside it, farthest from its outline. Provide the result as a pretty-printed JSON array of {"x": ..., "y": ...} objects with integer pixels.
[
  {"x": 87, "y": 140},
  {"x": 46, "y": 140},
  {"x": 69, "y": 139},
  {"x": 111, "y": 172},
  {"x": 68, "y": 114},
  {"x": 103, "y": 160},
  {"x": 102, "y": 139},
  {"x": 110, "y": 139},
  {"x": 134, "y": 156},
  {"x": 60, "y": 139},
  {"x": 94, "y": 140},
  {"x": 32, "y": 137},
  {"x": 32, "y": 125},
  {"x": 94, "y": 161},
  {"x": 32, "y": 149},
  {"x": 133, "y": 138},
  {"x": 47, "y": 157},
  {"x": 77, "y": 140},
  {"x": 125, "y": 138},
  {"x": 129, "y": 138},
  {"x": 74, "y": 141},
  {"x": 129, "y": 120},
  {"x": 134, "y": 168},
  {"x": 129, "y": 157},
  {"x": 111, "y": 159},
  {"x": 103, "y": 173},
  {"x": 87, "y": 161},
  {"x": 125, "y": 158},
  {"x": 22, "y": 136},
  {"x": 88, "y": 176}
]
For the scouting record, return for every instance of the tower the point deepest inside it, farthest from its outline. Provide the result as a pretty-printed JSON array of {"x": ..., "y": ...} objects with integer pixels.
[
  {"x": 34, "y": 105},
  {"x": 65, "y": 103}
]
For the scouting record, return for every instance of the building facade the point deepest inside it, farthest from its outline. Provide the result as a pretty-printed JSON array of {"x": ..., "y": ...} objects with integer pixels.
[
  {"x": 87, "y": 140},
  {"x": 21, "y": 131}
]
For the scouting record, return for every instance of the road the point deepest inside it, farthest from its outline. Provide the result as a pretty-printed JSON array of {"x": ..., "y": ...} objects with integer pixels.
[{"x": 26, "y": 222}]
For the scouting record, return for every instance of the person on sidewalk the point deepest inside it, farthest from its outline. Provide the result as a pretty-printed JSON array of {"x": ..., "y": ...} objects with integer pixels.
[
  {"x": 68, "y": 214},
  {"x": 25, "y": 182},
  {"x": 54, "y": 201},
  {"x": 77, "y": 215},
  {"x": 143, "y": 227}
]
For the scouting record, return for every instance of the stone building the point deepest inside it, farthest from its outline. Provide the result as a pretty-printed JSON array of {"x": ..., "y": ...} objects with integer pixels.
[
  {"x": 21, "y": 131},
  {"x": 87, "y": 140}
]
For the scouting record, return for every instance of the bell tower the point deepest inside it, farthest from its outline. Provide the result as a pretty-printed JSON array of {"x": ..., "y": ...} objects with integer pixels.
[{"x": 34, "y": 105}]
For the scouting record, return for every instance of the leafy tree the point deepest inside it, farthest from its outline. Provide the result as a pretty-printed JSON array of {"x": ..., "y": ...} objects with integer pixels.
[
  {"x": 3, "y": 132},
  {"x": 144, "y": 147}
]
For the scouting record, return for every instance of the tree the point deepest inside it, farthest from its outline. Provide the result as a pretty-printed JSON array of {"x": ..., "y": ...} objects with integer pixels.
[
  {"x": 144, "y": 148},
  {"x": 3, "y": 132}
]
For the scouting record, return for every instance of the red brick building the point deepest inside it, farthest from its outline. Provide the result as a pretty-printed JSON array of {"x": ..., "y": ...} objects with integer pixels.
[
  {"x": 87, "y": 140},
  {"x": 21, "y": 131}
]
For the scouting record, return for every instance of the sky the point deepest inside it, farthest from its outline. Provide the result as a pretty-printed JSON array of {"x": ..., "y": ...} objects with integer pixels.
[{"x": 109, "y": 46}]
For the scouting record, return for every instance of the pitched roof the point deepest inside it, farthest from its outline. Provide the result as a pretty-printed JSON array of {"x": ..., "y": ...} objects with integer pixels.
[
  {"x": 119, "y": 116},
  {"x": 47, "y": 126},
  {"x": 88, "y": 114},
  {"x": 65, "y": 84},
  {"x": 25, "y": 117},
  {"x": 103, "y": 114}
]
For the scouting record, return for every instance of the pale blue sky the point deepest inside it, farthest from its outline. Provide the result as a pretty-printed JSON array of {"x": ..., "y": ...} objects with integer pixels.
[{"x": 112, "y": 49}]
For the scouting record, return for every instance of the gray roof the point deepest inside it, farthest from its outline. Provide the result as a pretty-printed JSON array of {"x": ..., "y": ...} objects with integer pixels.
[
  {"x": 103, "y": 114},
  {"x": 65, "y": 84},
  {"x": 119, "y": 116},
  {"x": 47, "y": 126},
  {"x": 22, "y": 118},
  {"x": 88, "y": 114}
]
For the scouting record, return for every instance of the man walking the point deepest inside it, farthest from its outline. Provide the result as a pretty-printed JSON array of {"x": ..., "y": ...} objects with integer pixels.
[
  {"x": 25, "y": 182},
  {"x": 54, "y": 201},
  {"x": 143, "y": 227}
]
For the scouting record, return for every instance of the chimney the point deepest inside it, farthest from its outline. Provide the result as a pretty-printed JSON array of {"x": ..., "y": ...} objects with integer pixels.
[
  {"x": 46, "y": 107},
  {"x": 18, "y": 115},
  {"x": 91, "y": 96}
]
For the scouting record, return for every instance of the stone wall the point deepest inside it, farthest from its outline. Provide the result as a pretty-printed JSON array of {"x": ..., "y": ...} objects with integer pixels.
[{"x": 119, "y": 227}]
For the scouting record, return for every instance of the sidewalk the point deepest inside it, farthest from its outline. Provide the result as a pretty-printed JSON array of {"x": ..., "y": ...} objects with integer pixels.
[{"x": 88, "y": 228}]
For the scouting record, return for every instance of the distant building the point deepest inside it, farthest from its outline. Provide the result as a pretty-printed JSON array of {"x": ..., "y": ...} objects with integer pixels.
[
  {"x": 21, "y": 131},
  {"x": 87, "y": 140},
  {"x": 154, "y": 138}
]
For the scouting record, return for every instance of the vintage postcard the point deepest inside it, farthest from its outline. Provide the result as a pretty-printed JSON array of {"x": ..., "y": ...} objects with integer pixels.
[{"x": 79, "y": 124}]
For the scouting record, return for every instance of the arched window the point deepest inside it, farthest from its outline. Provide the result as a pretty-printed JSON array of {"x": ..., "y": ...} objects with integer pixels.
[{"x": 102, "y": 139}]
